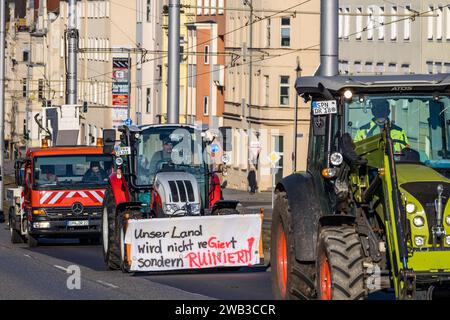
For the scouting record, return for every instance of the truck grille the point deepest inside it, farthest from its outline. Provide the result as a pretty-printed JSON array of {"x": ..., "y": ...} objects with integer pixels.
[
  {"x": 182, "y": 191},
  {"x": 426, "y": 194},
  {"x": 64, "y": 212}
]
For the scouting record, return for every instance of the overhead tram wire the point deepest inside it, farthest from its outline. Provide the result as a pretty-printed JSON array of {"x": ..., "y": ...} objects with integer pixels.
[{"x": 412, "y": 17}]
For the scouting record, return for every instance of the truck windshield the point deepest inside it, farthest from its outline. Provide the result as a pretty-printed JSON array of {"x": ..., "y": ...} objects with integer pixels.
[
  {"x": 420, "y": 125},
  {"x": 169, "y": 149},
  {"x": 72, "y": 171}
]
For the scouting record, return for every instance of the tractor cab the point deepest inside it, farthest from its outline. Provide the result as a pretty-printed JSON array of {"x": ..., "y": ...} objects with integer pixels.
[{"x": 378, "y": 165}]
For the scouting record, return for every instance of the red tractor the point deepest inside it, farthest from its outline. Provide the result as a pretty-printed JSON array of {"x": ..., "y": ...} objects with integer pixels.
[{"x": 161, "y": 171}]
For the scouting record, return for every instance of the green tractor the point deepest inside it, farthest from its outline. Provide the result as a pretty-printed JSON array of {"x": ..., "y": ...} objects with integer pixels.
[{"x": 376, "y": 214}]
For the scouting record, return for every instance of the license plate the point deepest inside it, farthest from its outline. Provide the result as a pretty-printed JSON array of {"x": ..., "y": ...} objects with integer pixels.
[
  {"x": 123, "y": 151},
  {"x": 324, "y": 107},
  {"x": 83, "y": 223}
]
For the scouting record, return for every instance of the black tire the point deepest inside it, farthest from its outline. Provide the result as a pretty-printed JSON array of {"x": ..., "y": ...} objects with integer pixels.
[
  {"x": 339, "y": 252},
  {"x": 110, "y": 232},
  {"x": 296, "y": 280},
  {"x": 16, "y": 237},
  {"x": 33, "y": 242},
  {"x": 124, "y": 265}
]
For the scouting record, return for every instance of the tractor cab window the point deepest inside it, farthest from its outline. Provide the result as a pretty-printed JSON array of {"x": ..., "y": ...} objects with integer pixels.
[
  {"x": 419, "y": 125},
  {"x": 168, "y": 149},
  {"x": 72, "y": 171}
]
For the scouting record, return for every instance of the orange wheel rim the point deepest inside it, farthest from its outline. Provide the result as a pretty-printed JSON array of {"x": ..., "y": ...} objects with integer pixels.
[
  {"x": 282, "y": 260},
  {"x": 325, "y": 279}
]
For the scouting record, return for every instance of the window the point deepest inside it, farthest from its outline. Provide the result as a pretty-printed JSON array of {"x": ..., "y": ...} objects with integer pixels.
[
  {"x": 192, "y": 74},
  {"x": 447, "y": 10},
  {"x": 347, "y": 22},
  {"x": 439, "y": 21},
  {"x": 394, "y": 12},
  {"x": 278, "y": 146},
  {"x": 438, "y": 67},
  {"x": 206, "y": 106},
  {"x": 358, "y": 67},
  {"x": 148, "y": 105},
  {"x": 199, "y": 7},
  {"x": 24, "y": 88},
  {"x": 284, "y": 90},
  {"x": 206, "y": 8},
  {"x": 359, "y": 22},
  {"x": 206, "y": 58},
  {"x": 285, "y": 32},
  {"x": 380, "y": 21},
  {"x": 268, "y": 32},
  {"x": 406, "y": 69},
  {"x": 61, "y": 86},
  {"x": 407, "y": 25},
  {"x": 392, "y": 67},
  {"x": 380, "y": 67},
  {"x": 221, "y": 6},
  {"x": 430, "y": 67},
  {"x": 25, "y": 55},
  {"x": 447, "y": 67},
  {"x": 430, "y": 24},
  {"x": 370, "y": 23},
  {"x": 267, "y": 86},
  {"x": 40, "y": 89},
  {"x": 341, "y": 23},
  {"x": 369, "y": 67},
  {"x": 213, "y": 7},
  {"x": 149, "y": 10}
]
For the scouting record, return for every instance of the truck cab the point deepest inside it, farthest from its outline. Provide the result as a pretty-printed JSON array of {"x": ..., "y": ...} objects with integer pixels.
[{"x": 60, "y": 194}]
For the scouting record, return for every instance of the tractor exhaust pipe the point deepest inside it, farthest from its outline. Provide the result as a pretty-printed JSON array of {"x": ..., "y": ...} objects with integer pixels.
[{"x": 329, "y": 38}]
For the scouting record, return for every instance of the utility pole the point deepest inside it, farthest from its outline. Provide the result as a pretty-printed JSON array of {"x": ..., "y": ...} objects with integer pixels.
[
  {"x": 129, "y": 87},
  {"x": 2, "y": 102},
  {"x": 298, "y": 71},
  {"x": 250, "y": 79},
  {"x": 173, "y": 93},
  {"x": 329, "y": 42},
  {"x": 72, "y": 47}
]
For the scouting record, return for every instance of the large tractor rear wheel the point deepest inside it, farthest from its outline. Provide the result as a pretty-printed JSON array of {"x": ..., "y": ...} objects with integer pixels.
[
  {"x": 110, "y": 232},
  {"x": 340, "y": 273},
  {"x": 291, "y": 279}
]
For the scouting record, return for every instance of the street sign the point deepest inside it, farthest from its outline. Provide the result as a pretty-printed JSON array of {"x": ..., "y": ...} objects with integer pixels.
[
  {"x": 273, "y": 157},
  {"x": 215, "y": 148},
  {"x": 128, "y": 122}
]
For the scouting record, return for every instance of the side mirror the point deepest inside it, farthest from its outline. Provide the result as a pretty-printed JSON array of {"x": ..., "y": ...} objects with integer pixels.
[{"x": 109, "y": 140}]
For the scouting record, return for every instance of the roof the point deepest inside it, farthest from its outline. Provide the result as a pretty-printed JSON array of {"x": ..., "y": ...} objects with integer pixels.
[
  {"x": 400, "y": 83},
  {"x": 57, "y": 151}
]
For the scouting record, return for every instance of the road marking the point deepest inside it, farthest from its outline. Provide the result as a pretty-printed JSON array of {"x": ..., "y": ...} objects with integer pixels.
[
  {"x": 60, "y": 268},
  {"x": 27, "y": 255},
  {"x": 107, "y": 284}
]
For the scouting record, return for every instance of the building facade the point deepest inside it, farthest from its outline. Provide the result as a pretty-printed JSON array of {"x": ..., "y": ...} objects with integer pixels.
[
  {"x": 263, "y": 121},
  {"x": 394, "y": 37}
]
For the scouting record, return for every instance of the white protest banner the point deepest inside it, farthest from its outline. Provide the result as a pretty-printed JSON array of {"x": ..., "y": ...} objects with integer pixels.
[{"x": 194, "y": 242}]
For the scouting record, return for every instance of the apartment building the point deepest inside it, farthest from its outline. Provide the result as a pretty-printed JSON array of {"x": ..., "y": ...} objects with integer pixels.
[
  {"x": 206, "y": 64},
  {"x": 187, "y": 17},
  {"x": 394, "y": 37},
  {"x": 283, "y": 39}
]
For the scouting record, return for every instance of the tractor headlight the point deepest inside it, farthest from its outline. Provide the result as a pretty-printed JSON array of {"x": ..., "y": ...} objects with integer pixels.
[
  {"x": 447, "y": 220},
  {"x": 195, "y": 208},
  {"x": 418, "y": 222},
  {"x": 447, "y": 240},
  {"x": 171, "y": 208},
  {"x": 410, "y": 208},
  {"x": 336, "y": 159},
  {"x": 419, "y": 241}
]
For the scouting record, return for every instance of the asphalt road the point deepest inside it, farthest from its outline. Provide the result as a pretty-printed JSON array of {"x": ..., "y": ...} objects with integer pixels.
[{"x": 41, "y": 273}]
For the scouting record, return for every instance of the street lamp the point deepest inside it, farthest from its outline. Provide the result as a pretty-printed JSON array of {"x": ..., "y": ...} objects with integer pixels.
[{"x": 298, "y": 71}]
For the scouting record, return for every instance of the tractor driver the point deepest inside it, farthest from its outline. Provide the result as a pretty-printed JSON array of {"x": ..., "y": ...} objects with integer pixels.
[
  {"x": 381, "y": 111},
  {"x": 163, "y": 155}
]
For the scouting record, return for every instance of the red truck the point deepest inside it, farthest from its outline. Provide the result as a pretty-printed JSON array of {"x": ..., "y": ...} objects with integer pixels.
[{"x": 60, "y": 194}]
